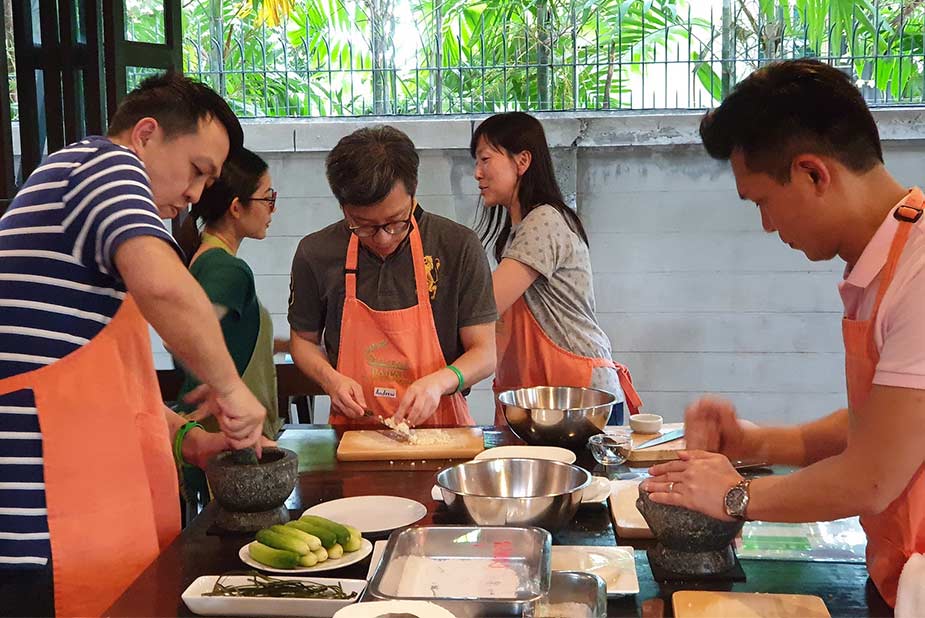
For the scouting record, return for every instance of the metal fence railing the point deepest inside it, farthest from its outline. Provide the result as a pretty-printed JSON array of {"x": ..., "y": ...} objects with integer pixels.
[{"x": 360, "y": 57}]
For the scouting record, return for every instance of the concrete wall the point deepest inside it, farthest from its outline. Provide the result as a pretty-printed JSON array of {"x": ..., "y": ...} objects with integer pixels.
[{"x": 694, "y": 295}]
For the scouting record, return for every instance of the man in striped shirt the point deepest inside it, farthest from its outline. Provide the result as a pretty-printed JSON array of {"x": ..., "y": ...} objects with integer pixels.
[{"x": 83, "y": 235}]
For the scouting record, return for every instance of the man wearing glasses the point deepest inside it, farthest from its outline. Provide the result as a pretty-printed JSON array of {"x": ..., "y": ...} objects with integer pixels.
[{"x": 391, "y": 309}]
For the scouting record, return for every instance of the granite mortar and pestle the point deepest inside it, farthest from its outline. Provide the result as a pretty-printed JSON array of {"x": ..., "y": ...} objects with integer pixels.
[
  {"x": 251, "y": 494},
  {"x": 689, "y": 543}
]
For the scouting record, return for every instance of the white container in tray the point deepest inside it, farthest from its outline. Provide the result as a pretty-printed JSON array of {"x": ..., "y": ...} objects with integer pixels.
[{"x": 195, "y": 599}]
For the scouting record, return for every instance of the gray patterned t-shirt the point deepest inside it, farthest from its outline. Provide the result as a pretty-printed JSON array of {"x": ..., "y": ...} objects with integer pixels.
[{"x": 562, "y": 297}]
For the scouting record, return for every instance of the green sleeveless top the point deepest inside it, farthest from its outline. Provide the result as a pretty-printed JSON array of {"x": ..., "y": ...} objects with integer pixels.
[{"x": 228, "y": 281}]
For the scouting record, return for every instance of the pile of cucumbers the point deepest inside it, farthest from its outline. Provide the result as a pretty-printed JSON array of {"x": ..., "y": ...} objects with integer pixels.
[{"x": 304, "y": 542}]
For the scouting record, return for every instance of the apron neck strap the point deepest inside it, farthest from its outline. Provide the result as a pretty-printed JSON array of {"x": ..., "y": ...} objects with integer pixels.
[
  {"x": 907, "y": 213},
  {"x": 417, "y": 258},
  {"x": 211, "y": 240}
]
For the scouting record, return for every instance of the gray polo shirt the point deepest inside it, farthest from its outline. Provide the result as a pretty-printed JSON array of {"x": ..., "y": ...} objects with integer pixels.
[
  {"x": 562, "y": 297},
  {"x": 459, "y": 281}
]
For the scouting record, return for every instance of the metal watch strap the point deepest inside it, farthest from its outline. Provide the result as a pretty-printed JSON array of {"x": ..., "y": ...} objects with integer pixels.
[{"x": 744, "y": 486}]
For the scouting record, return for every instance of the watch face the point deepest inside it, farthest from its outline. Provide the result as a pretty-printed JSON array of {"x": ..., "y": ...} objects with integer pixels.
[{"x": 735, "y": 501}]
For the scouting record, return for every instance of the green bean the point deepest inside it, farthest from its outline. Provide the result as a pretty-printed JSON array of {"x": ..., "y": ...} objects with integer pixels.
[{"x": 265, "y": 586}]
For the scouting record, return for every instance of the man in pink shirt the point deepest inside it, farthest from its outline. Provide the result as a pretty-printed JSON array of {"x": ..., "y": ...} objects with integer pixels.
[{"x": 805, "y": 149}]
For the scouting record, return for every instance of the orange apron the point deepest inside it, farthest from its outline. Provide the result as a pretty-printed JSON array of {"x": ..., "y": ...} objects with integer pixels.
[
  {"x": 110, "y": 480},
  {"x": 386, "y": 351},
  {"x": 528, "y": 357},
  {"x": 899, "y": 531}
]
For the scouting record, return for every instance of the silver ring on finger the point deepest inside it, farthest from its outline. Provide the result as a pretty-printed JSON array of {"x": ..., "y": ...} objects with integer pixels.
[{"x": 670, "y": 486}]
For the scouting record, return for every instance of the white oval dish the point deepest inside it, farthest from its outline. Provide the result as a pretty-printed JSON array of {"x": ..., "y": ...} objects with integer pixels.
[
  {"x": 371, "y": 514},
  {"x": 195, "y": 599},
  {"x": 615, "y": 565},
  {"x": 552, "y": 453}
]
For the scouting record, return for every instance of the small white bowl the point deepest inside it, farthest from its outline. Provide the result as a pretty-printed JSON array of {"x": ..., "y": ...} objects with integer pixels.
[{"x": 646, "y": 423}]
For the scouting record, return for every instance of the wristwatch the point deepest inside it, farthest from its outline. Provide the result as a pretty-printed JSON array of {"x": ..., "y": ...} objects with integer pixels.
[{"x": 736, "y": 500}]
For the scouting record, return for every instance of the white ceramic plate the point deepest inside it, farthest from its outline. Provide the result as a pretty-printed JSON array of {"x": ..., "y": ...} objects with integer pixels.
[
  {"x": 376, "y": 559},
  {"x": 597, "y": 491},
  {"x": 375, "y": 609},
  {"x": 371, "y": 514},
  {"x": 328, "y": 565},
  {"x": 552, "y": 453},
  {"x": 615, "y": 565},
  {"x": 257, "y": 606}
]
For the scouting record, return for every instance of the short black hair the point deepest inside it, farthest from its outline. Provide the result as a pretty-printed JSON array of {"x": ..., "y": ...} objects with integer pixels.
[
  {"x": 364, "y": 166},
  {"x": 792, "y": 107},
  {"x": 178, "y": 103}
]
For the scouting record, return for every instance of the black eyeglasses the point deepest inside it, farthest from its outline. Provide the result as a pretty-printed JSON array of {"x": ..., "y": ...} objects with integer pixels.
[
  {"x": 392, "y": 228},
  {"x": 271, "y": 200}
]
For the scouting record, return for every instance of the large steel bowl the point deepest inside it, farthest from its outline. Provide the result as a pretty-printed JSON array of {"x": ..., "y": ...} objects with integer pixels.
[
  {"x": 514, "y": 492},
  {"x": 563, "y": 416}
]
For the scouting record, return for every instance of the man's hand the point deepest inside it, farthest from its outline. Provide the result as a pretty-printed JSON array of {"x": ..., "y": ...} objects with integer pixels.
[
  {"x": 421, "y": 399},
  {"x": 346, "y": 395},
  {"x": 711, "y": 424},
  {"x": 698, "y": 481},
  {"x": 199, "y": 446}
]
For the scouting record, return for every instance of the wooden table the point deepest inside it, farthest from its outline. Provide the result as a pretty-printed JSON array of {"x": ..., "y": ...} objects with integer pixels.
[{"x": 844, "y": 587}]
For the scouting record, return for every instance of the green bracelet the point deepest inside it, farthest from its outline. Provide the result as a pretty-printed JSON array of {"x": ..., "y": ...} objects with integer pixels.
[
  {"x": 459, "y": 376},
  {"x": 178, "y": 442}
]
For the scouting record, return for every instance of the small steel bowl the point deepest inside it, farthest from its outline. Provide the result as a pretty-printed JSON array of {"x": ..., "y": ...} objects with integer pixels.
[
  {"x": 514, "y": 492},
  {"x": 563, "y": 416}
]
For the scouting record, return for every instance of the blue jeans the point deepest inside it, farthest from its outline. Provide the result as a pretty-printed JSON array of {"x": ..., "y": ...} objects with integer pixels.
[{"x": 616, "y": 415}]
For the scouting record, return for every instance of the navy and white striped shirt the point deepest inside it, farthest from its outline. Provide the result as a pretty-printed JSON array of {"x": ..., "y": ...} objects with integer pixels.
[{"x": 59, "y": 287}]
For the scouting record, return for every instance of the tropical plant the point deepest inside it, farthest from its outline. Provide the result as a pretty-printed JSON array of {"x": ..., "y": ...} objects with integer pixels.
[{"x": 880, "y": 42}]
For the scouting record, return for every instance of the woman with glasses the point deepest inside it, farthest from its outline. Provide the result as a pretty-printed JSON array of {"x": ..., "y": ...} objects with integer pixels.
[
  {"x": 239, "y": 205},
  {"x": 391, "y": 309},
  {"x": 548, "y": 334}
]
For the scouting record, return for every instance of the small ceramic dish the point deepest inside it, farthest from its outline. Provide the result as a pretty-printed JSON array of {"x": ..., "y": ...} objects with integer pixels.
[{"x": 646, "y": 423}]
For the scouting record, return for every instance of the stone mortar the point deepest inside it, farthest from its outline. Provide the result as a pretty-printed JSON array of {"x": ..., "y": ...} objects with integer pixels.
[
  {"x": 241, "y": 486},
  {"x": 689, "y": 542}
]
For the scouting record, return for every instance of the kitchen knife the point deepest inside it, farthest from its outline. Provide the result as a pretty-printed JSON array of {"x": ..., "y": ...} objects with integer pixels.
[{"x": 668, "y": 436}]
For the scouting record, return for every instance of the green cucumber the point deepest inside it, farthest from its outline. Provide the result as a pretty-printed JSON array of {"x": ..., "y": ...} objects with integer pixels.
[
  {"x": 276, "y": 558},
  {"x": 282, "y": 541},
  {"x": 311, "y": 540},
  {"x": 308, "y": 560},
  {"x": 328, "y": 538},
  {"x": 343, "y": 535},
  {"x": 321, "y": 554}
]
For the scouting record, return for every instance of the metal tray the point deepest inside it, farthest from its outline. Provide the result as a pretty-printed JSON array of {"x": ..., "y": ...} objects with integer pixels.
[
  {"x": 586, "y": 590},
  {"x": 472, "y": 571}
]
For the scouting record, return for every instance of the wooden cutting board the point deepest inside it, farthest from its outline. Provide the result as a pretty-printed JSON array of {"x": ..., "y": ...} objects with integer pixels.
[
  {"x": 627, "y": 519},
  {"x": 659, "y": 453},
  {"x": 376, "y": 445},
  {"x": 707, "y": 604}
]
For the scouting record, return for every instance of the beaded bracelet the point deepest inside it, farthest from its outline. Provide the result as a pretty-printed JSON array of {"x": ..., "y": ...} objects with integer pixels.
[{"x": 178, "y": 442}]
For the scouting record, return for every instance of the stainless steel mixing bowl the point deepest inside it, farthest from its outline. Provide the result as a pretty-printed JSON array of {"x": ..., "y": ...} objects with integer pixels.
[
  {"x": 514, "y": 492},
  {"x": 557, "y": 415}
]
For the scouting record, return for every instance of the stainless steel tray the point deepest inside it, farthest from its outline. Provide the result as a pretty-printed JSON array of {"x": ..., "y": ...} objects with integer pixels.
[
  {"x": 586, "y": 590},
  {"x": 472, "y": 571}
]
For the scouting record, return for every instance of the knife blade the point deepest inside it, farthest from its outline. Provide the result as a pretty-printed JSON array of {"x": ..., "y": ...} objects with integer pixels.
[{"x": 668, "y": 436}]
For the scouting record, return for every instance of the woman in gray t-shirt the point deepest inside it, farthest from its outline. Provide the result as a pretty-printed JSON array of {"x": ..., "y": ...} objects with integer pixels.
[{"x": 548, "y": 334}]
